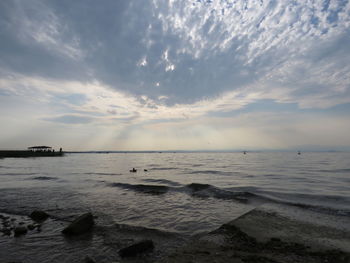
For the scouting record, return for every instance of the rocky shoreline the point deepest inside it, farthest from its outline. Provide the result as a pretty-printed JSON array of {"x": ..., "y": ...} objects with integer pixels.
[
  {"x": 238, "y": 247},
  {"x": 260, "y": 236}
]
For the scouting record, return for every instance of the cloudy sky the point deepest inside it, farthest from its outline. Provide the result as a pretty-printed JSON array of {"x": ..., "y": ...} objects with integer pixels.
[{"x": 176, "y": 74}]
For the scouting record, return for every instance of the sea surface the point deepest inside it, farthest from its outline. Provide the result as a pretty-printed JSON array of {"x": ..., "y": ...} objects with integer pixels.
[{"x": 174, "y": 194}]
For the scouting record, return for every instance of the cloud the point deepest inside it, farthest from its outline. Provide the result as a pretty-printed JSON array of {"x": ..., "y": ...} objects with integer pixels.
[
  {"x": 71, "y": 119},
  {"x": 195, "y": 50},
  {"x": 138, "y": 69}
]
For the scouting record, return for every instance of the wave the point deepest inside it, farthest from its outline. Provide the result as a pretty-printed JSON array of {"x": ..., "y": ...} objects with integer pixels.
[
  {"x": 207, "y": 190},
  {"x": 238, "y": 194},
  {"x": 163, "y": 168},
  {"x": 143, "y": 188},
  {"x": 346, "y": 170},
  {"x": 321, "y": 209},
  {"x": 197, "y": 165},
  {"x": 93, "y": 173},
  {"x": 287, "y": 199},
  {"x": 162, "y": 181},
  {"x": 210, "y": 172},
  {"x": 44, "y": 178},
  {"x": 16, "y": 174}
]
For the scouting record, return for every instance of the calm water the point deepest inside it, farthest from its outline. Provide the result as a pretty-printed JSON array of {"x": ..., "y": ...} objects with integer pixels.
[{"x": 226, "y": 186}]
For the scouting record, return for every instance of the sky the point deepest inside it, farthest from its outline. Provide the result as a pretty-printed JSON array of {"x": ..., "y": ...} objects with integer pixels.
[{"x": 175, "y": 75}]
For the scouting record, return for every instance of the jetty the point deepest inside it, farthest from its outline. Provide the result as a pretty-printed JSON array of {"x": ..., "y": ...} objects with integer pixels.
[{"x": 33, "y": 151}]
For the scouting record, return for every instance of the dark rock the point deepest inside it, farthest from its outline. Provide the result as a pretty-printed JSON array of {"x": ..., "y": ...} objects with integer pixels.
[
  {"x": 198, "y": 187},
  {"x": 137, "y": 248},
  {"x": 20, "y": 230},
  {"x": 80, "y": 225},
  {"x": 257, "y": 259},
  {"x": 89, "y": 260},
  {"x": 38, "y": 216},
  {"x": 13, "y": 219},
  {"x": 21, "y": 223},
  {"x": 31, "y": 227}
]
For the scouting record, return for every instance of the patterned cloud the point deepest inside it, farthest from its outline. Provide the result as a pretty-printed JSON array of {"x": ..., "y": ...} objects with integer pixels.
[
  {"x": 185, "y": 51},
  {"x": 132, "y": 63}
]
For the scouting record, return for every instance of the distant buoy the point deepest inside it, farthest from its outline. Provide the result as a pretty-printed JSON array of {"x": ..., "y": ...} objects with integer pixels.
[
  {"x": 145, "y": 170},
  {"x": 244, "y": 152},
  {"x": 299, "y": 153}
]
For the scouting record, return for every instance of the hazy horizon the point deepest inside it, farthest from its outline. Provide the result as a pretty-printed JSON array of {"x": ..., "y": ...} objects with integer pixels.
[{"x": 175, "y": 75}]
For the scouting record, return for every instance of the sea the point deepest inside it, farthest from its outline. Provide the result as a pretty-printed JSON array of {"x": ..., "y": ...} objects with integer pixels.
[{"x": 172, "y": 197}]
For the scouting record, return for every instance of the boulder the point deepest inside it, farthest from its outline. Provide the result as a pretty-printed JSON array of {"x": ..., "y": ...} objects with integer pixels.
[
  {"x": 137, "y": 248},
  {"x": 38, "y": 216},
  {"x": 80, "y": 225},
  {"x": 20, "y": 230}
]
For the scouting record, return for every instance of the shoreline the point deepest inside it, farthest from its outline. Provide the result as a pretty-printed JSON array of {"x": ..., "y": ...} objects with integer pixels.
[
  {"x": 265, "y": 236},
  {"x": 262, "y": 235}
]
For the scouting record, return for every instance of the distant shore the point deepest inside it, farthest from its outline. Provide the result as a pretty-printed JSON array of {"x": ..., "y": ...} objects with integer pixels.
[{"x": 27, "y": 153}]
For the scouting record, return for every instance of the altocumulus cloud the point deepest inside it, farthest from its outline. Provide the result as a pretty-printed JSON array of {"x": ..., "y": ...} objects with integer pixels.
[
  {"x": 185, "y": 50},
  {"x": 136, "y": 61}
]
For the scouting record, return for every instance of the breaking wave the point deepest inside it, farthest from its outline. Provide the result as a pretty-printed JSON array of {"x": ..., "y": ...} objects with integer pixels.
[{"x": 239, "y": 194}]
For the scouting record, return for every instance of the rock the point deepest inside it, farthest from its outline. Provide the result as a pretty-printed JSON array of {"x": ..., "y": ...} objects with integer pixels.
[
  {"x": 38, "y": 216},
  {"x": 137, "y": 248},
  {"x": 195, "y": 187},
  {"x": 20, "y": 230},
  {"x": 275, "y": 239},
  {"x": 31, "y": 227},
  {"x": 80, "y": 225},
  {"x": 89, "y": 260}
]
